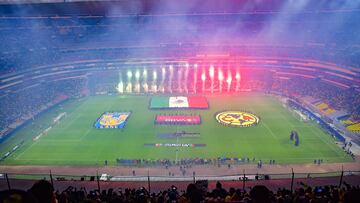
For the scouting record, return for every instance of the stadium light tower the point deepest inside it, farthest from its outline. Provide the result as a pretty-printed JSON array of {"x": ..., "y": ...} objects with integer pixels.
[
  {"x": 186, "y": 77},
  {"x": 195, "y": 77},
  {"x": 171, "y": 75},
  {"x": 145, "y": 73},
  {"x": 137, "y": 75},
  {"x": 154, "y": 75},
  {"x": 211, "y": 71},
  {"x": 203, "y": 78},
  {"x": 221, "y": 78},
  {"x": 129, "y": 74},
  {"x": 129, "y": 88},
  {"x": 238, "y": 79},
  {"x": 145, "y": 85},
  {"x": 179, "y": 78},
  {"x": 171, "y": 67},
  {"x": 228, "y": 81},
  {"x": 129, "y": 85},
  {"x": 120, "y": 86},
  {"x": 163, "y": 75},
  {"x": 237, "y": 76},
  {"x": 137, "y": 83},
  {"x": 211, "y": 74},
  {"x": 154, "y": 86}
]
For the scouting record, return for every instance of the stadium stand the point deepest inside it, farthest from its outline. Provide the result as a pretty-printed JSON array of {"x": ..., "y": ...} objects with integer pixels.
[
  {"x": 22, "y": 104},
  {"x": 354, "y": 127},
  {"x": 339, "y": 98},
  {"x": 52, "y": 55},
  {"x": 348, "y": 122},
  {"x": 322, "y": 106},
  {"x": 329, "y": 111}
]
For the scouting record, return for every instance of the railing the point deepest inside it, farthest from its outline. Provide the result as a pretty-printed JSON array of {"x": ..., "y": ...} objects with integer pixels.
[{"x": 244, "y": 178}]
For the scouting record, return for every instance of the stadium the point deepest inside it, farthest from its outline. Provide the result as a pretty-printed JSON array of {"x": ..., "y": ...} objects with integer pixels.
[{"x": 158, "y": 94}]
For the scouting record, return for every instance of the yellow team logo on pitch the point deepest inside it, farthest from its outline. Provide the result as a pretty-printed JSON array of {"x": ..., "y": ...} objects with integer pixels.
[
  {"x": 111, "y": 120},
  {"x": 237, "y": 118}
]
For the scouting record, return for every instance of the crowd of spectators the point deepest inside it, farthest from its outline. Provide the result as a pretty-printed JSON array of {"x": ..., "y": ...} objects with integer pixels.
[
  {"x": 43, "y": 192},
  {"x": 338, "y": 98},
  {"x": 23, "y": 104},
  {"x": 29, "y": 42}
]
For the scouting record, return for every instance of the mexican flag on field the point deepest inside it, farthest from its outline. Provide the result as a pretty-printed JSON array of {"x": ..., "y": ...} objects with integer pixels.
[{"x": 192, "y": 102}]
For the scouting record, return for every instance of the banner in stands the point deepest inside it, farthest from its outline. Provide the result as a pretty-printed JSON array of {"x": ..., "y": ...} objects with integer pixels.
[
  {"x": 192, "y": 102},
  {"x": 112, "y": 120},
  {"x": 177, "y": 119}
]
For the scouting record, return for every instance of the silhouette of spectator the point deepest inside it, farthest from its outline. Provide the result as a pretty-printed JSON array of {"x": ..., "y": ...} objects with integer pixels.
[
  {"x": 219, "y": 191},
  {"x": 16, "y": 196},
  {"x": 260, "y": 194},
  {"x": 352, "y": 196},
  {"x": 193, "y": 194},
  {"x": 43, "y": 191}
]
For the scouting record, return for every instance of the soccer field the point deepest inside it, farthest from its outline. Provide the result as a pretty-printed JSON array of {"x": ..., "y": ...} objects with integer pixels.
[{"x": 75, "y": 140}]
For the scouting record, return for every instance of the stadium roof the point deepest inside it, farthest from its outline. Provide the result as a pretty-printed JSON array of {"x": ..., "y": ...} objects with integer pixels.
[
  {"x": 104, "y": 7},
  {"x": 40, "y": 1}
]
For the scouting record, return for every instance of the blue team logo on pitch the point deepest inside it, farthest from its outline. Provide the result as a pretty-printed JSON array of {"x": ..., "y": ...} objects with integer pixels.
[{"x": 112, "y": 120}]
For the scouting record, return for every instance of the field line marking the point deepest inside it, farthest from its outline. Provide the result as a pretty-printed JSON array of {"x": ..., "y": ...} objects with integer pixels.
[
  {"x": 64, "y": 160},
  {"x": 76, "y": 116},
  {"x": 57, "y": 141},
  {"x": 71, "y": 113},
  {"x": 327, "y": 143},
  {"x": 294, "y": 127},
  {"x": 266, "y": 126},
  {"x": 177, "y": 150},
  {"x": 17, "y": 157},
  {"x": 177, "y": 142},
  {"x": 72, "y": 121},
  {"x": 287, "y": 120},
  {"x": 85, "y": 134},
  {"x": 313, "y": 132},
  {"x": 92, "y": 160},
  {"x": 271, "y": 132},
  {"x": 322, "y": 139}
]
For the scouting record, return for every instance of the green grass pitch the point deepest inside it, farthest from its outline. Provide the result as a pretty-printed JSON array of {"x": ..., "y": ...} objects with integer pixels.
[{"x": 75, "y": 141}]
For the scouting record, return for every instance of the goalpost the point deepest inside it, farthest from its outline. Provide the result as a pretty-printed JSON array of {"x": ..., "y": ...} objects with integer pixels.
[
  {"x": 296, "y": 113},
  {"x": 301, "y": 116},
  {"x": 59, "y": 117}
]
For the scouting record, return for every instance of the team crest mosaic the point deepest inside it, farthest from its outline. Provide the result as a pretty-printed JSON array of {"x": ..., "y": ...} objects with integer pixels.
[
  {"x": 112, "y": 120},
  {"x": 237, "y": 118}
]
